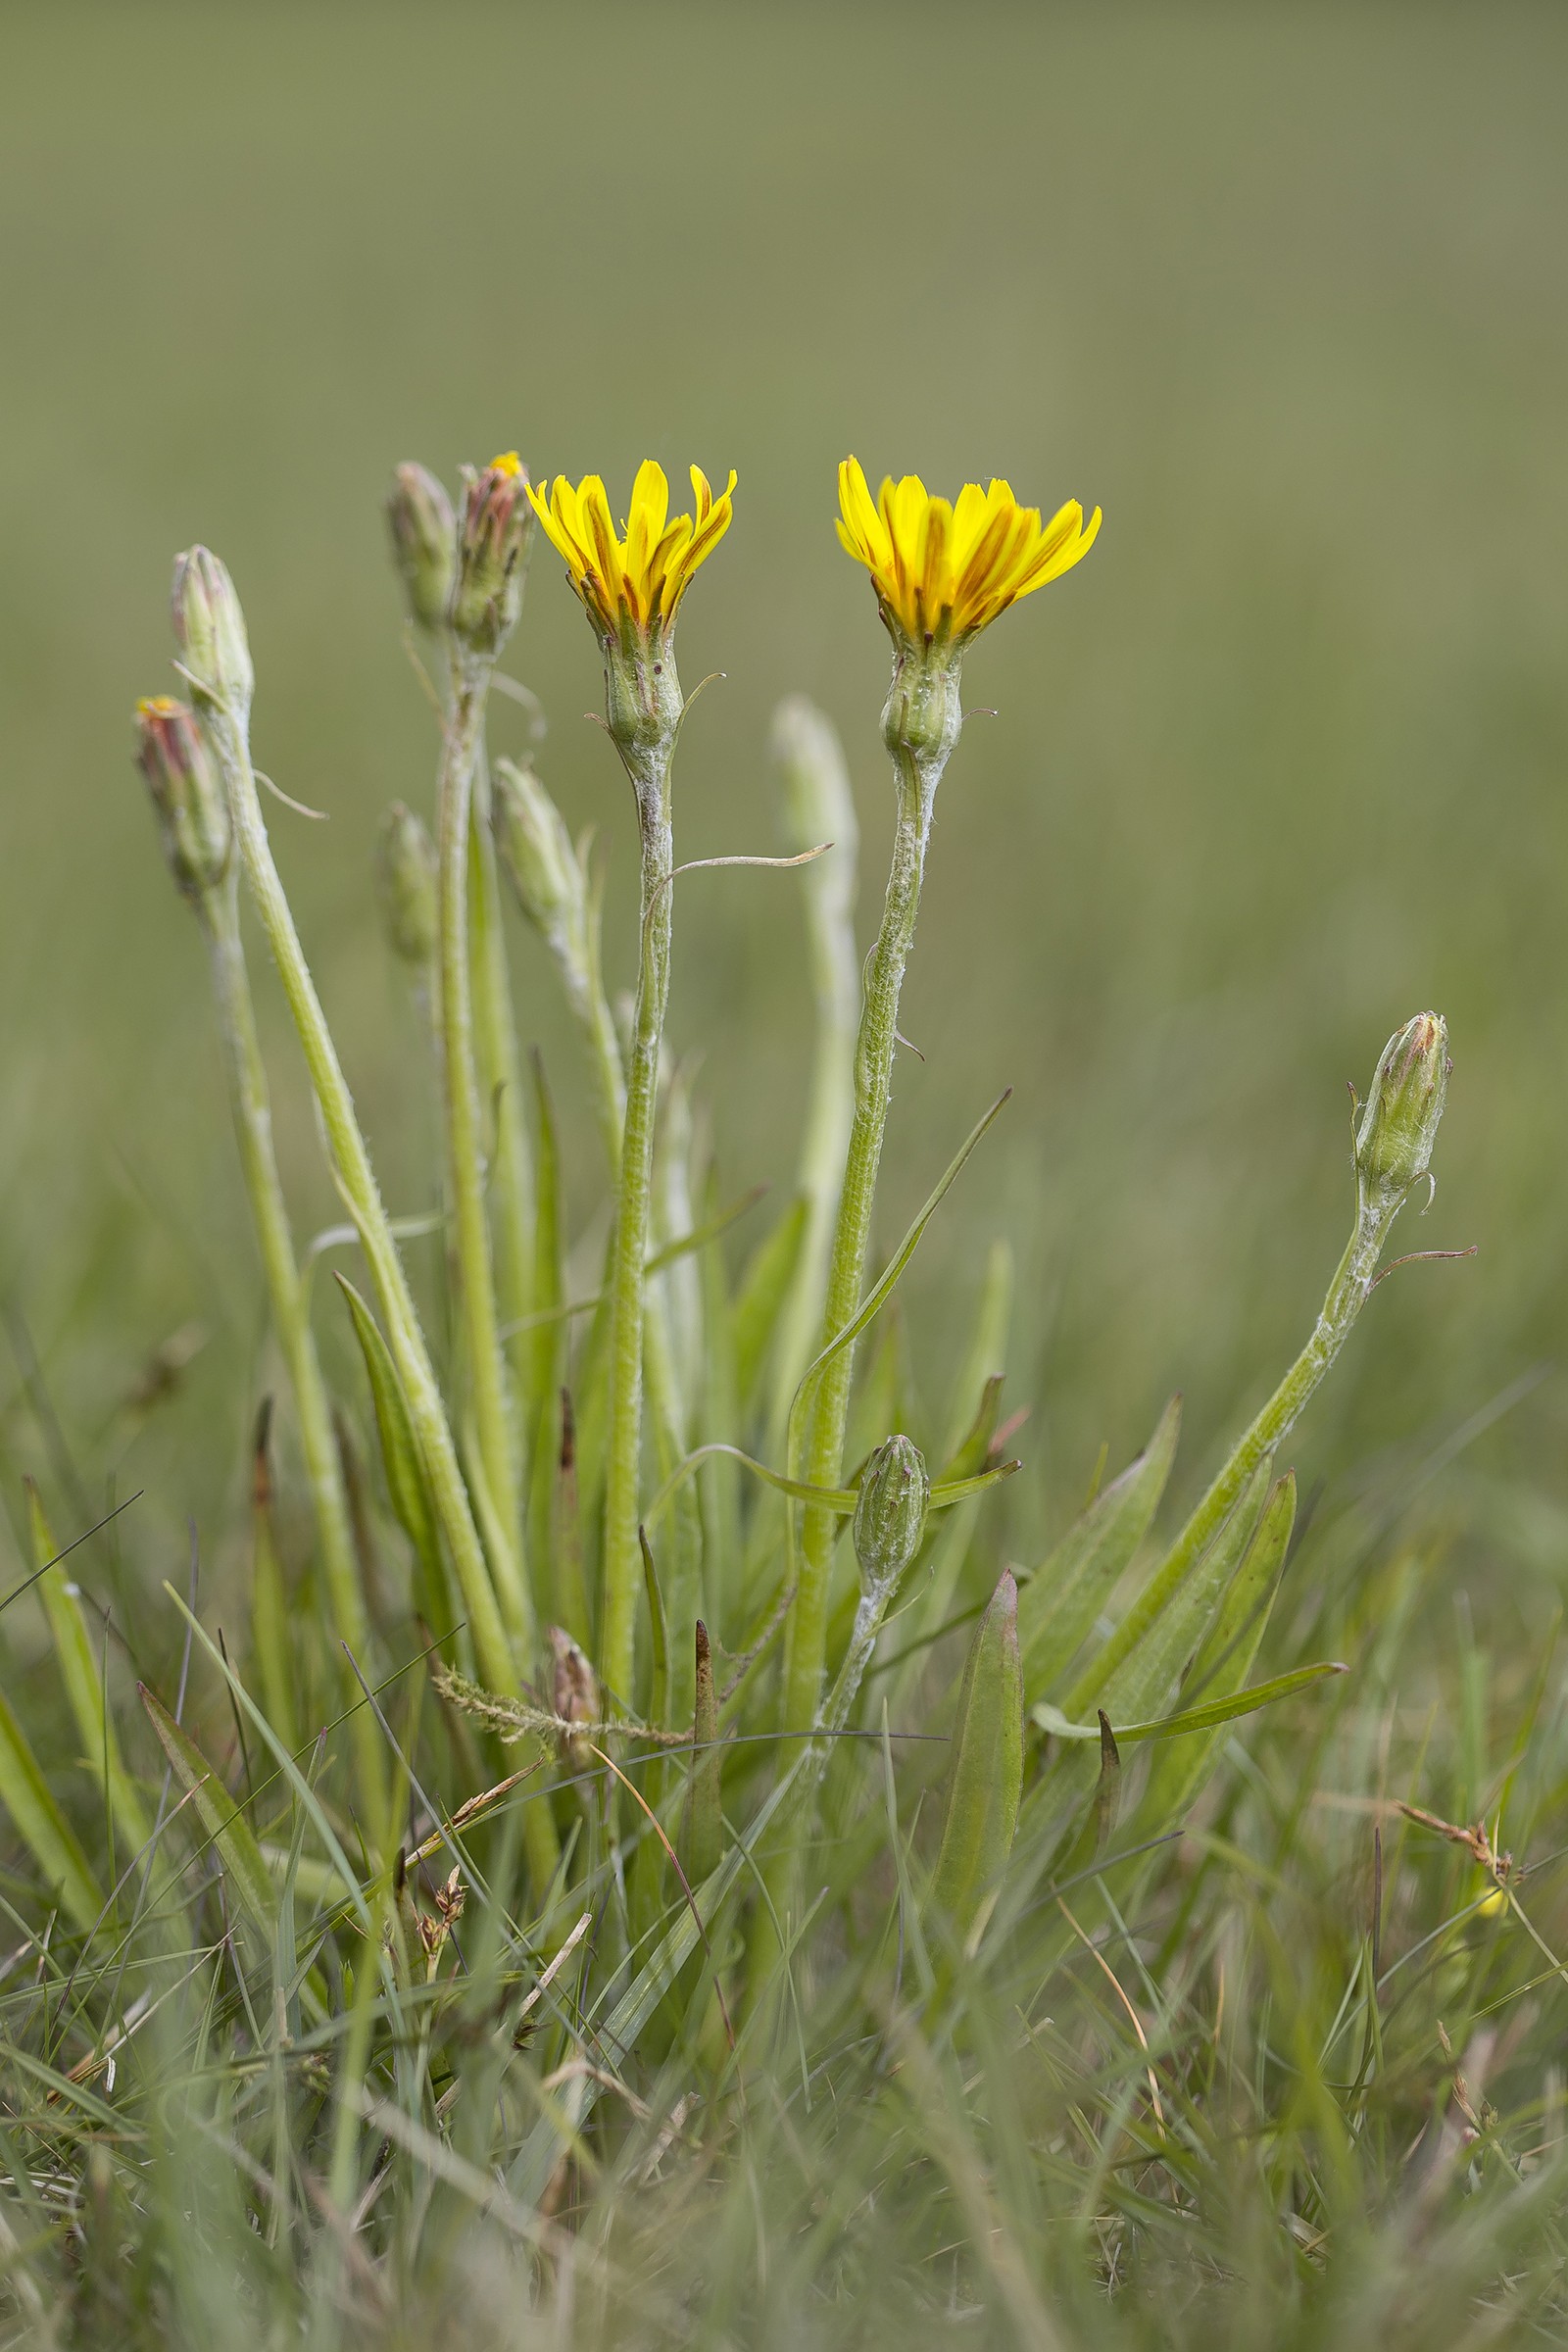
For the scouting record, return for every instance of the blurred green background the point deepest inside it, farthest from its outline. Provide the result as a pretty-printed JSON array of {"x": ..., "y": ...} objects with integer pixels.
[{"x": 1283, "y": 288}]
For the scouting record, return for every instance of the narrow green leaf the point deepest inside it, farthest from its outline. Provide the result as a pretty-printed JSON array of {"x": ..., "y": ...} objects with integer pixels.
[
  {"x": 987, "y": 1772},
  {"x": 659, "y": 1700},
  {"x": 43, "y": 1827},
  {"x": 705, "y": 1820},
  {"x": 1190, "y": 1719},
  {"x": 968, "y": 1457},
  {"x": 406, "y": 1481},
  {"x": 1107, "y": 1794},
  {"x": 272, "y": 1645},
  {"x": 759, "y": 1300},
  {"x": 221, "y": 1817},
  {"x": 82, "y": 1676},
  {"x": 1060, "y": 1602}
]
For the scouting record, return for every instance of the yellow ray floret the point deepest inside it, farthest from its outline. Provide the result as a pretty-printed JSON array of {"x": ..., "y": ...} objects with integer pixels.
[
  {"x": 943, "y": 570},
  {"x": 642, "y": 577}
]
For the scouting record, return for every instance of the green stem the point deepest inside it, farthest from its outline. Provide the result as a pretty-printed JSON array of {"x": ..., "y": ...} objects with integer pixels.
[
  {"x": 829, "y": 887},
  {"x": 1376, "y": 1210},
  {"x": 629, "y": 1248},
  {"x": 480, "y": 1321},
  {"x": 218, "y": 912},
  {"x": 350, "y": 1164},
  {"x": 921, "y": 726}
]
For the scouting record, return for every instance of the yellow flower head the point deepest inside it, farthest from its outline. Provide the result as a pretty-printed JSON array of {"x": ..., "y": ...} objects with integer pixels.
[
  {"x": 945, "y": 572},
  {"x": 638, "y": 579}
]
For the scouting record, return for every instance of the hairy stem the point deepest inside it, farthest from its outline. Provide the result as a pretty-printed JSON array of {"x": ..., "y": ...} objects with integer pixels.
[
  {"x": 917, "y": 778},
  {"x": 629, "y": 1248}
]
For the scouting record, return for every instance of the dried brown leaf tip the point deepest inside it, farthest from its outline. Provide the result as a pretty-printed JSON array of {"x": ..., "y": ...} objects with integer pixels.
[{"x": 575, "y": 1692}]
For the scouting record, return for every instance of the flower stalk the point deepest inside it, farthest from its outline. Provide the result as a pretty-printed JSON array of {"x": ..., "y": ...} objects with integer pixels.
[
  {"x": 492, "y": 546},
  {"x": 1394, "y": 1145},
  {"x": 195, "y": 821},
  {"x": 630, "y": 588},
  {"x": 941, "y": 573},
  {"x": 221, "y": 682}
]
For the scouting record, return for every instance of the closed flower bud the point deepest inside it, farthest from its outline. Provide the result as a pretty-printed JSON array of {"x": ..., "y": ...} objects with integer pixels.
[
  {"x": 187, "y": 793},
  {"x": 890, "y": 1514},
  {"x": 1399, "y": 1123},
  {"x": 405, "y": 872},
  {"x": 491, "y": 551},
  {"x": 210, "y": 629},
  {"x": 536, "y": 847},
  {"x": 425, "y": 532}
]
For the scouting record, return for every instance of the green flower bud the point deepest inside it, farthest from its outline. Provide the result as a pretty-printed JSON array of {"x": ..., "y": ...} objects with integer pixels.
[
  {"x": 491, "y": 553},
  {"x": 210, "y": 629},
  {"x": 424, "y": 533},
  {"x": 1399, "y": 1123},
  {"x": 187, "y": 793},
  {"x": 405, "y": 874},
  {"x": 890, "y": 1514},
  {"x": 536, "y": 849}
]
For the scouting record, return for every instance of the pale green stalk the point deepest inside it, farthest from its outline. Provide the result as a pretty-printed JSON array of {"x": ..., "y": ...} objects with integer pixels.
[
  {"x": 218, "y": 912},
  {"x": 649, "y": 768},
  {"x": 480, "y": 1323},
  {"x": 921, "y": 726},
  {"x": 819, "y": 808},
  {"x": 350, "y": 1164},
  {"x": 1348, "y": 1292}
]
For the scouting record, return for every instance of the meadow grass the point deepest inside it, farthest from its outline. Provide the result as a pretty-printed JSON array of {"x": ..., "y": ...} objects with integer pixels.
[{"x": 1250, "y": 2034}]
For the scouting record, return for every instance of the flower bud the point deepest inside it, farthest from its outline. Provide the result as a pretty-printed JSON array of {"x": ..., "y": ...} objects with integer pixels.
[
  {"x": 890, "y": 1514},
  {"x": 1399, "y": 1123},
  {"x": 210, "y": 629},
  {"x": 536, "y": 849},
  {"x": 424, "y": 533},
  {"x": 187, "y": 793},
  {"x": 491, "y": 552},
  {"x": 405, "y": 874}
]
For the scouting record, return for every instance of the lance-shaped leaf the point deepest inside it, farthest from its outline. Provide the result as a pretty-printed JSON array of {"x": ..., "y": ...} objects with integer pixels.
[
  {"x": 1215, "y": 1688},
  {"x": 406, "y": 1483},
  {"x": 987, "y": 1772},
  {"x": 1061, "y": 1600},
  {"x": 82, "y": 1676},
  {"x": 43, "y": 1827},
  {"x": 704, "y": 1820},
  {"x": 272, "y": 1646},
  {"x": 220, "y": 1816}
]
